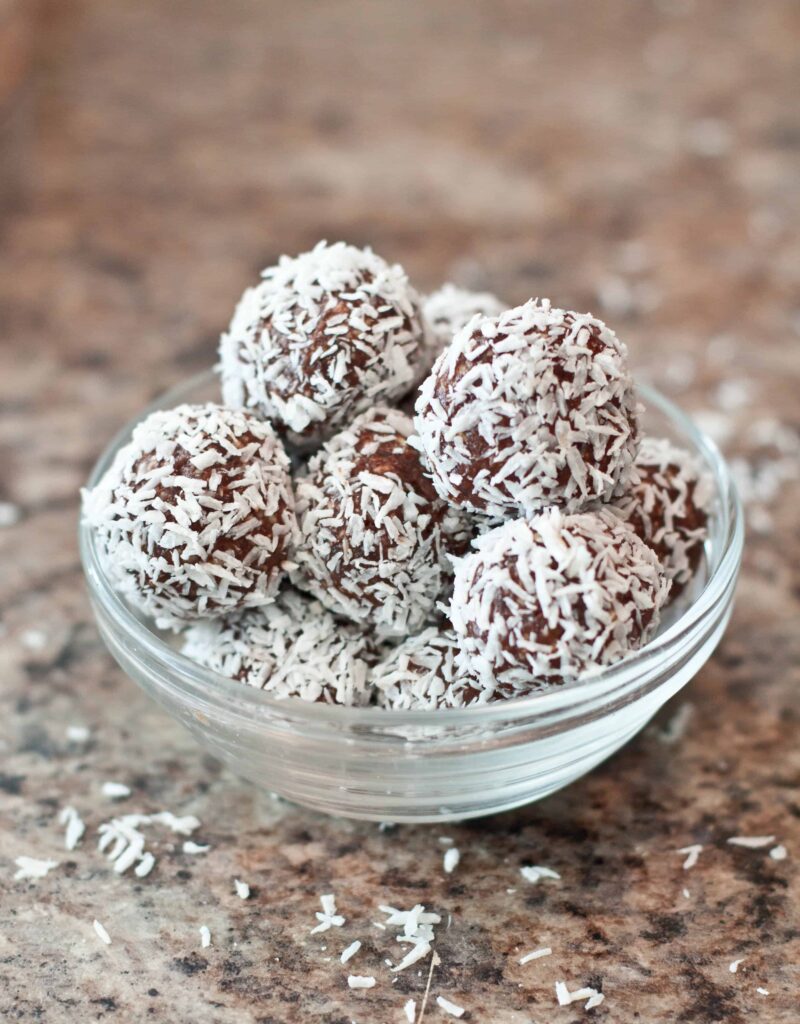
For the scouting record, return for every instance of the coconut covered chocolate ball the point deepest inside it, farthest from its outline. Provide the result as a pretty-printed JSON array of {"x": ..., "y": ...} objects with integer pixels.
[
  {"x": 374, "y": 535},
  {"x": 546, "y": 601},
  {"x": 668, "y": 505},
  {"x": 451, "y": 308},
  {"x": 324, "y": 336},
  {"x": 195, "y": 517},
  {"x": 529, "y": 409},
  {"x": 420, "y": 673},
  {"x": 292, "y": 648}
]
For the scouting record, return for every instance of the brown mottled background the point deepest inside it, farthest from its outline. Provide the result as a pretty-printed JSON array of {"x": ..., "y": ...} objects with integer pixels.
[{"x": 639, "y": 159}]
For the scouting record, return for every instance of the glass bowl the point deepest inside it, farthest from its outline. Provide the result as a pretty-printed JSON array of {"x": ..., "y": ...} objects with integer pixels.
[{"x": 427, "y": 766}]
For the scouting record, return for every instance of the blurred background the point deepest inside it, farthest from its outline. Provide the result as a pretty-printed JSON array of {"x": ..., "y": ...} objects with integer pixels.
[
  {"x": 636, "y": 159},
  {"x": 639, "y": 160}
]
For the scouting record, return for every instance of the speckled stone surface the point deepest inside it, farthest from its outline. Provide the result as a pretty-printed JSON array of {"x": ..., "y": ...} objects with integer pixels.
[{"x": 639, "y": 160}]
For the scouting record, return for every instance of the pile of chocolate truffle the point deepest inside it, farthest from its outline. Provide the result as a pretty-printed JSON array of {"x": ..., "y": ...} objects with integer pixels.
[{"x": 416, "y": 503}]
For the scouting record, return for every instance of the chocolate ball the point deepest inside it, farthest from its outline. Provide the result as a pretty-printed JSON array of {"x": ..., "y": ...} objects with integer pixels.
[
  {"x": 195, "y": 517},
  {"x": 451, "y": 308},
  {"x": 324, "y": 336},
  {"x": 292, "y": 648},
  {"x": 529, "y": 409},
  {"x": 668, "y": 504},
  {"x": 420, "y": 673},
  {"x": 546, "y": 601},
  {"x": 374, "y": 535}
]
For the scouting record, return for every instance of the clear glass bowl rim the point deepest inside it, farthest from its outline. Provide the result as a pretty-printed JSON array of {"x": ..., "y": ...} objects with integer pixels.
[{"x": 617, "y": 682}]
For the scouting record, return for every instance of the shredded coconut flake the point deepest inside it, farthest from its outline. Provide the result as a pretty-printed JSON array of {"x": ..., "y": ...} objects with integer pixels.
[
  {"x": 779, "y": 852},
  {"x": 193, "y": 848},
  {"x": 535, "y": 874},
  {"x": 751, "y": 842},
  {"x": 692, "y": 854},
  {"x": 451, "y": 859},
  {"x": 418, "y": 932},
  {"x": 328, "y": 918},
  {"x": 116, "y": 790},
  {"x": 78, "y": 733},
  {"x": 452, "y": 1008},
  {"x": 183, "y": 826},
  {"x": 124, "y": 840},
  {"x": 102, "y": 934},
  {"x": 75, "y": 827},
  {"x": 565, "y": 997},
  {"x": 242, "y": 889},
  {"x": 410, "y": 1010},
  {"x": 351, "y": 951},
  {"x": 145, "y": 865},
  {"x": 31, "y": 868},
  {"x": 205, "y": 936},
  {"x": 734, "y": 966},
  {"x": 361, "y": 981},
  {"x": 536, "y": 954}
]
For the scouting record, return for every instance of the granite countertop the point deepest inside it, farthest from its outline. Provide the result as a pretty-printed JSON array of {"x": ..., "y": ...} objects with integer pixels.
[{"x": 639, "y": 160}]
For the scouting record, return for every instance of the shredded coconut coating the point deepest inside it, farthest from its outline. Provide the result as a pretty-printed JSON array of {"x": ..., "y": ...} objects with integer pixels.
[
  {"x": 482, "y": 524},
  {"x": 324, "y": 336},
  {"x": 546, "y": 601},
  {"x": 292, "y": 648},
  {"x": 420, "y": 673},
  {"x": 532, "y": 408},
  {"x": 449, "y": 309},
  {"x": 195, "y": 518},
  {"x": 668, "y": 504},
  {"x": 374, "y": 535}
]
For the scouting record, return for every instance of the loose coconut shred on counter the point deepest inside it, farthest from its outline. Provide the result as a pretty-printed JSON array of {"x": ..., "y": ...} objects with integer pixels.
[
  {"x": 327, "y": 917},
  {"x": 74, "y": 827},
  {"x": 418, "y": 932},
  {"x": 32, "y": 868}
]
